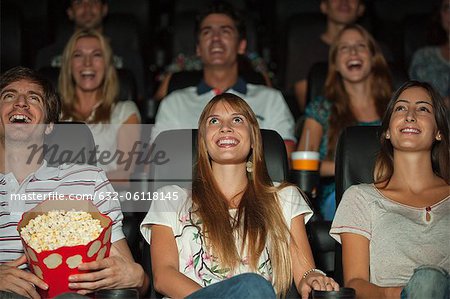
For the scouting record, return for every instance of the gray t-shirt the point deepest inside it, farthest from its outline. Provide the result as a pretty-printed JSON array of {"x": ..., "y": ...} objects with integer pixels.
[{"x": 401, "y": 238}]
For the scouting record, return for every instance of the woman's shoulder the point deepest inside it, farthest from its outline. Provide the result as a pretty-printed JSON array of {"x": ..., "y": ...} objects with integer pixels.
[
  {"x": 123, "y": 110},
  {"x": 289, "y": 192},
  {"x": 319, "y": 107},
  {"x": 361, "y": 192},
  {"x": 170, "y": 198},
  {"x": 125, "y": 105},
  {"x": 321, "y": 100},
  {"x": 425, "y": 53}
]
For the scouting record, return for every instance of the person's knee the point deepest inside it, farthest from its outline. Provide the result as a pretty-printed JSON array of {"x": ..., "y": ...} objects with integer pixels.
[
  {"x": 429, "y": 281},
  {"x": 430, "y": 274},
  {"x": 257, "y": 282}
]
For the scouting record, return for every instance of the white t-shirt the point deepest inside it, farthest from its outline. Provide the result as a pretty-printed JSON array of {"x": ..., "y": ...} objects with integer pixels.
[
  {"x": 401, "y": 239},
  {"x": 182, "y": 108},
  {"x": 105, "y": 135},
  {"x": 194, "y": 260}
]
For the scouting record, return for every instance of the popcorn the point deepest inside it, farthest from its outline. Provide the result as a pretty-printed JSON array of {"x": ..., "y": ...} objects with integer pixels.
[
  {"x": 59, "y": 235},
  {"x": 59, "y": 228}
]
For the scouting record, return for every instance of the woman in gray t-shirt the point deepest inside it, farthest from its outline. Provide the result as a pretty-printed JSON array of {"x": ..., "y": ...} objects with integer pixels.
[{"x": 394, "y": 233}]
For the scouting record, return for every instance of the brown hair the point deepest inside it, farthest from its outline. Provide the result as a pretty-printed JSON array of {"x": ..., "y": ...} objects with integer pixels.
[
  {"x": 52, "y": 102},
  {"x": 440, "y": 151},
  {"x": 107, "y": 93},
  {"x": 341, "y": 114},
  {"x": 259, "y": 218}
]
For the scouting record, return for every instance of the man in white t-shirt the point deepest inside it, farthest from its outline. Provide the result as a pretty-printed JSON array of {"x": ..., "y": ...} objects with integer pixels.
[
  {"x": 29, "y": 108},
  {"x": 220, "y": 38}
]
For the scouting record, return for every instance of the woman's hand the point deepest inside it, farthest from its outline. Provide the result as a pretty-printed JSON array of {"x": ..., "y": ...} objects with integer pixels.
[
  {"x": 316, "y": 281},
  {"x": 13, "y": 279}
]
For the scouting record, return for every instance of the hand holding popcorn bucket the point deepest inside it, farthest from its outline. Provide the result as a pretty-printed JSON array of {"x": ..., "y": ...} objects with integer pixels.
[{"x": 59, "y": 235}]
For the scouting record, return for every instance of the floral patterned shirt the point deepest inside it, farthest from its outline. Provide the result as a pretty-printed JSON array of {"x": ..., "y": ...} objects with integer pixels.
[{"x": 195, "y": 261}]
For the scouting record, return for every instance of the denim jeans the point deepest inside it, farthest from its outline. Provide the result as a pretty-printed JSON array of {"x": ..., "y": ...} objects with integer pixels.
[
  {"x": 427, "y": 282},
  {"x": 242, "y": 286}
]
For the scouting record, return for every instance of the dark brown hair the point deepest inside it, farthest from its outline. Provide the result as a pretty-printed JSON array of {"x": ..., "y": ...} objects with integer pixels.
[
  {"x": 440, "y": 152},
  {"x": 52, "y": 102}
]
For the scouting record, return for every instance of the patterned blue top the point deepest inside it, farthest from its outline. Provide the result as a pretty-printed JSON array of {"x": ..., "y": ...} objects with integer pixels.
[
  {"x": 429, "y": 65},
  {"x": 319, "y": 109}
]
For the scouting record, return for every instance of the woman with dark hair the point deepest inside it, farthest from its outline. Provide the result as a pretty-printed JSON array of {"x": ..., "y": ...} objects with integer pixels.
[
  {"x": 394, "y": 233},
  {"x": 235, "y": 220},
  {"x": 432, "y": 63},
  {"x": 357, "y": 89}
]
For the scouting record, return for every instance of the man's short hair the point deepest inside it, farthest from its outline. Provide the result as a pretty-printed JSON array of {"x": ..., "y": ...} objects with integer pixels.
[
  {"x": 68, "y": 3},
  {"x": 52, "y": 102},
  {"x": 225, "y": 8}
]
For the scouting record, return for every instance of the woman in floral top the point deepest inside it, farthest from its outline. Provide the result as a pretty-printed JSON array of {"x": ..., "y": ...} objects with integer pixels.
[{"x": 235, "y": 220}]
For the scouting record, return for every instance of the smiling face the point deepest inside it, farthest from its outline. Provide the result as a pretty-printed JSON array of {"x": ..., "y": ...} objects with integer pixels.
[
  {"x": 412, "y": 126},
  {"x": 88, "y": 64},
  {"x": 22, "y": 111},
  {"x": 218, "y": 41},
  {"x": 353, "y": 58},
  {"x": 228, "y": 135}
]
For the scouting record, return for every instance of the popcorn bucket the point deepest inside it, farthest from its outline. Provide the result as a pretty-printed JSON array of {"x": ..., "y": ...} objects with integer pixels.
[{"x": 55, "y": 266}]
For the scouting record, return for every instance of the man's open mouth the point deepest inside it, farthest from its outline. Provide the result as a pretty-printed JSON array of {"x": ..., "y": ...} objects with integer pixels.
[{"x": 19, "y": 119}]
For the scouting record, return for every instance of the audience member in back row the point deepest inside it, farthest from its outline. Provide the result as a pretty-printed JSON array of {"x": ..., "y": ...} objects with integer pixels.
[
  {"x": 29, "y": 108},
  {"x": 235, "y": 220},
  {"x": 90, "y": 15},
  {"x": 357, "y": 89},
  {"x": 394, "y": 233},
  {"x": 339, "y": 13},
  {"x": 89, "y": 87},
  {"x": 432, "y": 63},
  {"x": 249, "y": 64},
  {"x": 220, "y": 38}
]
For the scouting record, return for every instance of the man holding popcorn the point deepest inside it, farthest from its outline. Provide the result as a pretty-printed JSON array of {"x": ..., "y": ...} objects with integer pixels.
[{"x": 29, "y": 108}]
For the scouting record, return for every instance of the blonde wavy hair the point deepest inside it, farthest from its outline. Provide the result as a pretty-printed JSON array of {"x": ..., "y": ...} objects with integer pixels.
[
  {"x": 259, "y": 218},
  {"x": 108, "y": 91}
]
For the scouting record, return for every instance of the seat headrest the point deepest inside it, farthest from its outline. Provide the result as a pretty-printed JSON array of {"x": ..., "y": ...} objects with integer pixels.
[
  {"x": 356, "y": 152},
  {"x": 180, "y": 147}
]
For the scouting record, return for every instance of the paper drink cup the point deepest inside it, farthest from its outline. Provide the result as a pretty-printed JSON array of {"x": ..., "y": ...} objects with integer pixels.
[
  {"x": 305, "y": 160},
  {"x": 55, "y": 266}
]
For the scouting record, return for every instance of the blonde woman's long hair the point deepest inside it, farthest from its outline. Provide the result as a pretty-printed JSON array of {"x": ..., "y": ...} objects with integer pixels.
[
  {"x": 108, "y": 91},
  {"x": 259, "y": 217},
  {"x": 341, "y": 114}
]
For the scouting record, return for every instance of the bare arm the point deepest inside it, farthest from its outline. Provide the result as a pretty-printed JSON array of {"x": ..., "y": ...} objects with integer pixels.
[
  {"x": 163, "y": 87},
  {"x": 167, "y": 279},
  {"x": 300, "y": 88},
  {"x": 302, "y": 261},
  {"x": 315, "y": 135},
  {"x": 355, "y": 260}
]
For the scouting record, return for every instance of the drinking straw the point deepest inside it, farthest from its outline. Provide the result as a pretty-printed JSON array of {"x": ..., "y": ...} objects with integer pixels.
[{"x": 307, "y": 139}]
